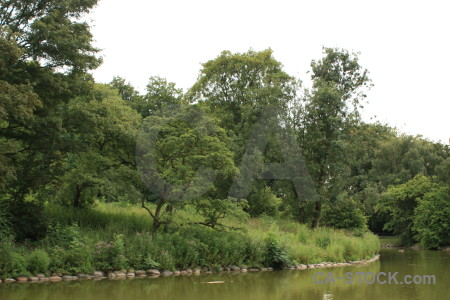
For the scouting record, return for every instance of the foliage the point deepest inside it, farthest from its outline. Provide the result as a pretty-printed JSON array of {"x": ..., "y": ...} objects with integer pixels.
[
  {"x": 344, "y": 214},
  {"x": 401, "y": 201},
  {"x": 276, "y": 255},
  {"x": 432, "y": 218},
  {"x": 38, "y": 261}
]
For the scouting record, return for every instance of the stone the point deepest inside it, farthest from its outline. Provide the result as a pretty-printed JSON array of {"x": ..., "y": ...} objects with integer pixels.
[
  {"x": 196, "y": 271},
  {"x": 21, "y": 279},
  {"x": 253, "y": 270},
  {"x": 81, "y": 276},
  {"x": 99, "y": 274},
  {"x": 9, "y": 280},
  {"x": 183, "y": 273},
  {"x": 264, "y": 269},
  {"x": 153, "y": 272},
  {"x": 235, "y": 268},
  {"x": 176, "y": 273},
  {"x": 55, "y": 278},
  {"x": 131, "y": 274},
  {"x": 189, "y": 271},
  {"x": 269, "y": 269},
  {"x": 67, "y": 277},
  {"x": 111, "y": 275},
  {"x": 311, "y": 266},
  {"x": 140, "y": 273},
  {"x": 244, "y": 270},
  {"x": 167, "y": 273},
  {"x": 120, "y": 273},
  {"x": 40, "y": 276}
]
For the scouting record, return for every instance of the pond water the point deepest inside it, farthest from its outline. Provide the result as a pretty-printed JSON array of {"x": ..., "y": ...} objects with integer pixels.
[{"x": 295, "y": 284}]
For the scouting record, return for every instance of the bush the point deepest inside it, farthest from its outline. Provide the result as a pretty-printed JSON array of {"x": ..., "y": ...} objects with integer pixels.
[
  {"x": 12, "y": 263},
  {"x": 110, "y": 255},
  {"x": 344, "y": 215},
  {"x": 432, "y": 219},
  {"x": 38, "y": 261},
  {"x": 27, "y": 220},
  {"x": 276, "y": 254}
]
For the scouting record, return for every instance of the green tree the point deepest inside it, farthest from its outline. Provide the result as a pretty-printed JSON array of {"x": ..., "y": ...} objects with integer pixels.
[
  {"x": 432, "y": 218},
  {"x": 330, "y": 110},
  {"x": 401, "y": 201},
  {"x": 178, "y": 155}
]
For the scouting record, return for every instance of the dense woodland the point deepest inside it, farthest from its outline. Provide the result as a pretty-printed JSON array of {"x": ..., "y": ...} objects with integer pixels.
[{"x": 69, "y": 145}]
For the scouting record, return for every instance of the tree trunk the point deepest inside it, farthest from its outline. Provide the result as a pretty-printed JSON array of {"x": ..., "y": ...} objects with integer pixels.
[{"x": 316, "y": 215}]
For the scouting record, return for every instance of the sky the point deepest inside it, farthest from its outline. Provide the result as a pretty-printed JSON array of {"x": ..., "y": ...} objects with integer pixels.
[{"x": 405, "y": 45}]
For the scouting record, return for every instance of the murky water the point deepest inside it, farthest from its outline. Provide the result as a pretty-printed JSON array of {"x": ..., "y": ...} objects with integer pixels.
[{"x": 266, "y": 285}]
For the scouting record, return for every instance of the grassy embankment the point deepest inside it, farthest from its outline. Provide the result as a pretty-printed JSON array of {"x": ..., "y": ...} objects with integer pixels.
[{"x": 114, "y": 237}]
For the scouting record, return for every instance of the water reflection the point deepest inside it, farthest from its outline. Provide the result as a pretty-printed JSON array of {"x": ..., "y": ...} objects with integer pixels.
[{"x": 262, "y": 285}]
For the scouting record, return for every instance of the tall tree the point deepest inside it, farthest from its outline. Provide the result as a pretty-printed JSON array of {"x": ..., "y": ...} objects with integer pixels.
[{"x": 331, "y": 108}]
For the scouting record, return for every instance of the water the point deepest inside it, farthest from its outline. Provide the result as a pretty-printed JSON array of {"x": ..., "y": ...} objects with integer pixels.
[{"x": 262, "y": 285}]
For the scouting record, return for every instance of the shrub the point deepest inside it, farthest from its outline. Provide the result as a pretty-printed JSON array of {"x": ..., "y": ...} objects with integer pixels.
[
  {"x": 344, "y": 215},
  {"x": 276, "y": 254},
  {"x": 38, "y": 261},
  {"x": 432, "y": 219}
]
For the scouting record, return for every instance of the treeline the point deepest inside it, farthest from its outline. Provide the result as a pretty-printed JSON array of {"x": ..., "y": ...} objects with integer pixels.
[{"x": 68, "y": 140}]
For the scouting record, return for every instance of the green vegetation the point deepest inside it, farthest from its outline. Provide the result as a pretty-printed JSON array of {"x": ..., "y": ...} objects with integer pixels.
[
  {"x": 87, "y": 170},
  {"x": 73, "y": 246}
]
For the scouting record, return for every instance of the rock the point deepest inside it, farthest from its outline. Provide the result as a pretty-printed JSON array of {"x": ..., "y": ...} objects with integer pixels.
[
  {"x": 183, "y": 272},
  {"x": 40, "y": 276},
  {"x": 57, "y": 274},
  {"x": 226, "y": 269},
  {"x": 153, "y": 272},
  {"x": 81, "y": 276},
  {"x": 176, "y": 273},
  {"x": 0, "y": 281},
  {"x": 21, "y": 279},
  {"x": 253, "y": 270},
  {"x": 235, "y": 268},
  {"x": 131, "y": 274},
  {"x": 264, "y": 269},
  {"x": 244, "y": 270},
  {"x": 111, "y": 275},
  {"x": 311, "y": 266},
  {"x": 67, "y": 277},
  {"x": 189, "y": 271},
  {"x": 89, "y": 276},
  {"x": 120, "y": 274},
  {"x": 99, "y": 274},
  {"x": 55, "y": 278},
  {"x": 269, "y": 269},
  {"x": 196, "y": 271},
  {"x": 140, "y": 273},
  {"x": 167, "y": 273},
  {"x": 9, "y": 280}
]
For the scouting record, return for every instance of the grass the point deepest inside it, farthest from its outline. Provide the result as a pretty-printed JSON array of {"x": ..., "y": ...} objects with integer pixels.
[{"x": 116, "y": 236}]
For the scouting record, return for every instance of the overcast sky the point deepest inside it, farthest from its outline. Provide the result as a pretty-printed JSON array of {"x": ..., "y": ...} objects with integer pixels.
[{"x": 405, "y": 45}]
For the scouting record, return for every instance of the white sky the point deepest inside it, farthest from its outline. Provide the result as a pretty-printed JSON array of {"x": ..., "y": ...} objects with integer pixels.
[{"x": 405, "y": 45}]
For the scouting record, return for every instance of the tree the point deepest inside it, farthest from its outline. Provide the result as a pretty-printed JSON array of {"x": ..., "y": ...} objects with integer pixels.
[
  {"x": 432, "y": 218},
  {"x": 102, "y": 132},
  {"x": 237, "y": 88},
  {"x": 45, "y": 51},
  {"x": 179, "y": 157},
  {"x": 330, "y": 109},
  {"x": 400, "y": 202}
]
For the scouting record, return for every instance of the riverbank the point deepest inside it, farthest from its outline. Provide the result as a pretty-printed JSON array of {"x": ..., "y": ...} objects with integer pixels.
[
  {"x": 109, "y": 238},
  {"x": 153, "y": 273}
]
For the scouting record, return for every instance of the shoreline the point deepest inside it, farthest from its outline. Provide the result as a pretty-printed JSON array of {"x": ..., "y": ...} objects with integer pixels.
[{"x": 154, "y": 273}]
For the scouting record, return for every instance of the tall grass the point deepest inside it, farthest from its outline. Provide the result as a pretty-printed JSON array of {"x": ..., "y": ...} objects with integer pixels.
[{"x": 116, "y": 236}]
